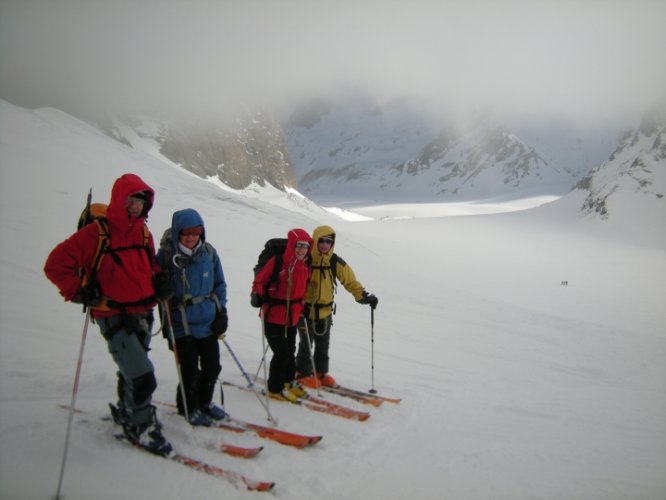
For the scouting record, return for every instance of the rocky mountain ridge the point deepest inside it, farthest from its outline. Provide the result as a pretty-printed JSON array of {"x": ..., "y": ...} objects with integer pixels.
[
  {"x": 250, "y": 149},
  {"x": 364, "y": 151},
  {"x": 636, "y": 167}
]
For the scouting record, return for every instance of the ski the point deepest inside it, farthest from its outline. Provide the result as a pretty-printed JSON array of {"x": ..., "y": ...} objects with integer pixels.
[
  {"x": 336, "y": 409},
  {"x": 320, "y": 405},
  {"x": 279, "y": 436},
  {"x": 194, "y": 463},
  {"x": 234, "y": 451},
  {"x": 366, "y": 400},
  {"x": 240, "y": 451},
  {"x": 347, "y": 391},
  {"x": 213, "y": 470},
  {"x": 229, "y": 449}
]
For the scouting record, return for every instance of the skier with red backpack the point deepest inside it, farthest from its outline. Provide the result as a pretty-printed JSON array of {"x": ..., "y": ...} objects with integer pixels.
[
  {"x": 279, "y": 290},
  {"x": 122, "y": 284}
]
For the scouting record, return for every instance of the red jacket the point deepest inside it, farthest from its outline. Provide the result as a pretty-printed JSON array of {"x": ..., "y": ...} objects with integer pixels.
[
  {"x": 127, "y": 280},
  {"x": 275, "y": 311}
]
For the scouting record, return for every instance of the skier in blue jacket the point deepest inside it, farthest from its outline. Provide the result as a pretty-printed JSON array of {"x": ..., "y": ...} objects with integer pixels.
[{"x": 198, "y": 312}]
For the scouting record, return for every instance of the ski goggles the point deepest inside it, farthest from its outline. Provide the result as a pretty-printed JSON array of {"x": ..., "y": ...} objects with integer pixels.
[
  {"x": 302, "y": 244},
  {"x": 326, "y": 241},
  {"x": 192, "y": 231}
]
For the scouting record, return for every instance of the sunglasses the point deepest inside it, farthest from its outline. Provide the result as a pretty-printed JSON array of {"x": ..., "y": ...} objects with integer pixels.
[
  {"x": 326, "y": 241},
  {"x": 192, "y": 231},
  {"x": 302, "y": 244}
]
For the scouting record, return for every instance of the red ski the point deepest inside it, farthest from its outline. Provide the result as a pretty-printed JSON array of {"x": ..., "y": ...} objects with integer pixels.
[
  {"x": 354, "y": 393},
  {"x": 213, "y": 470},
  {"x": 195, "y": 463},
  {"x": 277, "y": 435},
  {"x": 319, "y": 405},
  {"x": 240, "y": 451}
]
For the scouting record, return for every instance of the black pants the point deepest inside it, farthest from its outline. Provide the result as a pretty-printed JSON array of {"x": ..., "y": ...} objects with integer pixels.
[
  {"x": 320, "y": 336},
  {"x": 199, "y": 366},
  {"x": 283, "y": 363}
]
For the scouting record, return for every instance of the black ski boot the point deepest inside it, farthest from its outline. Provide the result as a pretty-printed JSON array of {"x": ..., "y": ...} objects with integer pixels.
[{"x": 149, "y": 436}]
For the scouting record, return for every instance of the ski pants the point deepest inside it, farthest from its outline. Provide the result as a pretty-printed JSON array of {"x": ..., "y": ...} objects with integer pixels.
[
  {"x": 320, "y": 337},
  {"x": 199, "y": 366},
  {"x": 282, "y": 341},
  {"x": 128, "y": 340}
]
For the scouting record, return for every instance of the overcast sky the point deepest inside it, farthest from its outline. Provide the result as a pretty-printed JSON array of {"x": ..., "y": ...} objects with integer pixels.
[{"x": 587, "y": 58}]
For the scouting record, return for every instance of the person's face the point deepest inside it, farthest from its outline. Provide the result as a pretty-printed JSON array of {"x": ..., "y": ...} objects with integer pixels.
[
  {"x": 324, "y": 244},
  {"x": 189, "y": 237},
  {"x": 134, "y": 206},
  {"x": 302, "y": 248}
]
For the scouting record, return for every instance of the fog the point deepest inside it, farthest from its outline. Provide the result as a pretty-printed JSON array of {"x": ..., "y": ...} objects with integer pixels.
[{"x": 586, "y": 59}]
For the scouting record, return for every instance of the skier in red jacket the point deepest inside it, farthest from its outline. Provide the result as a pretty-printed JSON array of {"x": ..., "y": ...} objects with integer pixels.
[
  {"x": 282, "y": 303},
  {"x": 125, "y": 288}
]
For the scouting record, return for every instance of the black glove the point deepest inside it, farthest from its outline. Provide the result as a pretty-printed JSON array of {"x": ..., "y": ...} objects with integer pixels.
[
  {"x": 88, "y": 295},
  {"x": 162, "y": 286},
  {"x": 220, "y": 323},
  {"x": 369, "y": 299},
  {"x": 256, "y": 300}
]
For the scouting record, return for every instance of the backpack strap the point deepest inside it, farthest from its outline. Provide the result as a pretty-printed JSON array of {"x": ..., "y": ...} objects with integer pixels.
[
  {"x": 333, "y": 269},
  {"x": 188, "y": 300},
  {"x": 104, "y": 247},
  {"x": 275, "y": 274}
]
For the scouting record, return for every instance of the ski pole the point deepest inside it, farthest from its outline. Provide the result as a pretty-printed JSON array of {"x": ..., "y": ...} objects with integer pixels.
[
  {"x": 233, "y": 355},
  {"x": 263, "y": 360},
  {"x": 265, "y": 347},
  {"x": 172, "y": 339},
  {"x": 72, "y": 404},
  {"x": 249, "y": 381},
  {"x": 372, "y": 348},
  {"x": 314, "y": 371}
]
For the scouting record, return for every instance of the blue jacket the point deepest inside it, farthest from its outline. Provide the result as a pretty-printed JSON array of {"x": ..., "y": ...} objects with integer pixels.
[{"x": 195, "y": 278}]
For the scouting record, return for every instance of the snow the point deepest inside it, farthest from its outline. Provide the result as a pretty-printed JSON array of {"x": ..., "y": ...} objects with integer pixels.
[
  {"x": 513, "y": 385},
  {"x": 408, "y": 210}
]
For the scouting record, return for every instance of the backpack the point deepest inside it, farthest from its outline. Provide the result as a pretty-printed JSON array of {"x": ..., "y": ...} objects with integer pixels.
[
  {"x": 95, "y": 213},
  {"x": 274, "y": 247}
]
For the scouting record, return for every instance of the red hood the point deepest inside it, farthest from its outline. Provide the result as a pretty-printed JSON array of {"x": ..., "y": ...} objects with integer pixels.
[
  {"x": 126, "y": 185},
  {"x": 293, "y": 237}
]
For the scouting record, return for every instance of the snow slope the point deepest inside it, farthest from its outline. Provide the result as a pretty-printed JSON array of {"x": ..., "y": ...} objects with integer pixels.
[{"x": 514, "y": 386}]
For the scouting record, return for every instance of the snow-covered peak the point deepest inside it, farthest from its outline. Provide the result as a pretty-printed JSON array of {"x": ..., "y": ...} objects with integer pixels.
[
  {"x": 398, "y": 151},
  {"x": 636, "y": 169}
]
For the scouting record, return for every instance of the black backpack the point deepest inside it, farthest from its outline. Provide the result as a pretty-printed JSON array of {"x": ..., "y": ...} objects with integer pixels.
[{"x": 274, "y": 247}]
